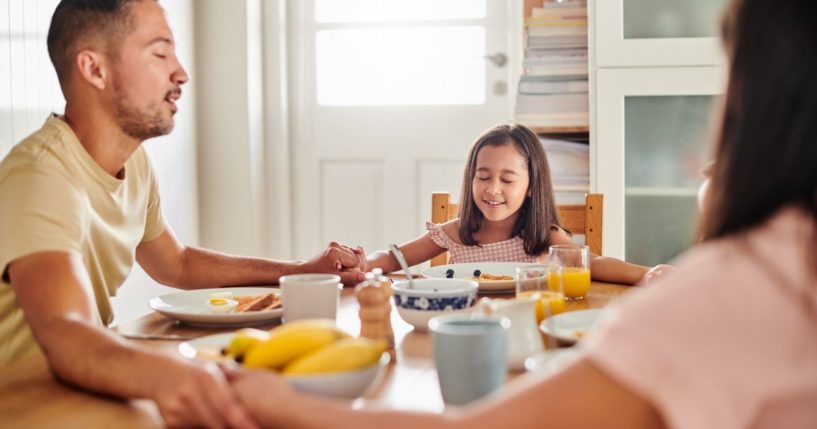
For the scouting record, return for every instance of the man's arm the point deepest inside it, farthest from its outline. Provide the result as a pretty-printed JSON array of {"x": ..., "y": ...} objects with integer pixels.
[
  {"x": 55, "y": 294},
  {"x": 170, "y": 262}
]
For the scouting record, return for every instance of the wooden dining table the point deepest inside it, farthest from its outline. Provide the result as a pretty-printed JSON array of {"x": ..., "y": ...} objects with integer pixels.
[{"x": 30, "y": 396}]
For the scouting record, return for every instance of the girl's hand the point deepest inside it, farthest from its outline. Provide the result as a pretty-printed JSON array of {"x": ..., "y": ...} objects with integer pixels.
[
  {"x": 337, "y": 259},
  {"x": 363, "y": 263},
  {"x": 657, "y": 272}
]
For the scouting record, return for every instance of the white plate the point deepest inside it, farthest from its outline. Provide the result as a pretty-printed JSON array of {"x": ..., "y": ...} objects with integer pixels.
[
  {"x": 191, "y": 307},
  {"x": 207, "y": 348},
  {"x": 466, "y": 271},
  {"x": 572, "y": 326},
  {"x": 348, "y": 384}
]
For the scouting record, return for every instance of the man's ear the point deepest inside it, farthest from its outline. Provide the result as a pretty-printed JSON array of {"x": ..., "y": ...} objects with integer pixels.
[{"x": 93, "y": 68}]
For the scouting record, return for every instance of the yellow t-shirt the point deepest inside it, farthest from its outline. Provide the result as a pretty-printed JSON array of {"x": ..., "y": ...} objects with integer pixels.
[{"x": 55, "y": 197}]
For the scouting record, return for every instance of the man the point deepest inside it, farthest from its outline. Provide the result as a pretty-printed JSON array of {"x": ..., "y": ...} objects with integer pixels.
[{"x": 79, "y": 201}]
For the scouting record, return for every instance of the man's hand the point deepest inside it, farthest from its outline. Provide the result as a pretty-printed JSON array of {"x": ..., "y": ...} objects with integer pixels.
[
  {"x": 338, "y": 259},
  {"x": 195, "y": 395},
  {"x": 658, "y": 272}
]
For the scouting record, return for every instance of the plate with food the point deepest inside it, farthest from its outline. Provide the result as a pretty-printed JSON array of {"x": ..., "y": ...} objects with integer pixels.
[
  {"x": 572, "y": 326},
  {"x": 491, "y": 276},
  {"x": 235, "y": 306}
]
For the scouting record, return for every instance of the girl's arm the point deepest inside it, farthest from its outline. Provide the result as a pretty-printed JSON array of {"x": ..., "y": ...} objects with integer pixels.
[
  {"x": 607, "y": 269},
  {"x": 416, "y": 252}
]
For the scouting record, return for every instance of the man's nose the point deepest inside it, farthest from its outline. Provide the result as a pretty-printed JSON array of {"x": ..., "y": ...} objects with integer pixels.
[{"x": 180, "y": 76}]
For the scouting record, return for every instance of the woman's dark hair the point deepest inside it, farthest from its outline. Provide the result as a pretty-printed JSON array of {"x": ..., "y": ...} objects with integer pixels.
[
  {"x": 538, "y": 213},
  {"x": 766, "y": 150}
]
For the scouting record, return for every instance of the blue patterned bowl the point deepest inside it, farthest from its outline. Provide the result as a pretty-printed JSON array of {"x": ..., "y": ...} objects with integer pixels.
[{"x": 432, "y": 297}]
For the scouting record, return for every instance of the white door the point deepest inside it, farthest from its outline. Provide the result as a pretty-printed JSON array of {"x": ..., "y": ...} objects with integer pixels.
[{"x": 388, "y": 95}]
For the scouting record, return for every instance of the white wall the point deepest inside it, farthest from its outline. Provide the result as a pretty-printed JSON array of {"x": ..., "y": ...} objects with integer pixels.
[
  {"x": 29, "y": 91},
  {"x": 229, "y": 126},
  {"x": 243, "y": 127}
]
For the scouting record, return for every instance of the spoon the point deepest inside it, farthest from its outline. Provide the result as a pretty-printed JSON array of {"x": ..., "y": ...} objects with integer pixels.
[{"x": 402, "y": 261}]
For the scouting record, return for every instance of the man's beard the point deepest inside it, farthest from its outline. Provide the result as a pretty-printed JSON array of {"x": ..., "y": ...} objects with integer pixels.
[{"x": 140, "y": 124}]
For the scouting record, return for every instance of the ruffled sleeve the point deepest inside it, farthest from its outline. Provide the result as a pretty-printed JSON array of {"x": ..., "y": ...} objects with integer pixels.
[{"x": 439, "y": 236}]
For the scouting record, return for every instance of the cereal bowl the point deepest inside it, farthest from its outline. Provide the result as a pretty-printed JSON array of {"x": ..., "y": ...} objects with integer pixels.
[{"x": 432, "y": 297}]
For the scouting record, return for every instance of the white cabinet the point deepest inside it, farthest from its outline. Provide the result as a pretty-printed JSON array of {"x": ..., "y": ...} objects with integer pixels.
[
  {"x": 656, "y": 32},
  {"x": 652, "y": 137},
  {"x": 657, "y": 69}
]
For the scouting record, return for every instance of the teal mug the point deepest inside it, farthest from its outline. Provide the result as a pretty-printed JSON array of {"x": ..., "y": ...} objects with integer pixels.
[{"x": 470, "y": 353}]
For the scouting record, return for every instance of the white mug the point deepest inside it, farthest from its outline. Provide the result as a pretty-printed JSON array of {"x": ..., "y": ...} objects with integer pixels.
[
  {"x": 310, "y": 296},
  {"x": 523, "y": 336}
]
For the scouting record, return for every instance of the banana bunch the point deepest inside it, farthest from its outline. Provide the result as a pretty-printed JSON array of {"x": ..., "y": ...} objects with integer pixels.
[{"x": 304, "y": 347}]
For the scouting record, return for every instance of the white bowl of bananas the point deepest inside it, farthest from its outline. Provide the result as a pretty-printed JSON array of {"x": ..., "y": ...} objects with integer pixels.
[{"x": 313, "y": 355}]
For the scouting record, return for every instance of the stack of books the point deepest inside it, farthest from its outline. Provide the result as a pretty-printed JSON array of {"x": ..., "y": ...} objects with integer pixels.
[
  {"x": 569, "y": 162},
  {"x": 553, "y": 88}
]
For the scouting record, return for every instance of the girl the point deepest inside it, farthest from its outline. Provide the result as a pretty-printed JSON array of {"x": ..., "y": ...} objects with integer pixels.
[{"x": 507, "y": 213}]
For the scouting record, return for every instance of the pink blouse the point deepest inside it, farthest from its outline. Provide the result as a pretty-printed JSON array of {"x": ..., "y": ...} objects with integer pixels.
[
  {"x": 511, "y": 250},
  {"x": 729, "y": 340}
]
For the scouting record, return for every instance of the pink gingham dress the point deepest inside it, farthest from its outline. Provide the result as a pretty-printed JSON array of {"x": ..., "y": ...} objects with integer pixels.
[{"x": 511, "y": 250}]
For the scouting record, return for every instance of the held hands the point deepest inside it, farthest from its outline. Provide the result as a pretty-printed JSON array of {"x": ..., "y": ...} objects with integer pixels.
[
  {"x": 657, "y": 272},
  {"x": 197, "y": 395},
  {"x": 256, "y": 387},
  {"x": 348, "y": 263}
]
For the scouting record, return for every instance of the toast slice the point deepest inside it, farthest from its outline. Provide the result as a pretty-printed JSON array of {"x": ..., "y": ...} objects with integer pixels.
[{"x": 267, "y": 301}]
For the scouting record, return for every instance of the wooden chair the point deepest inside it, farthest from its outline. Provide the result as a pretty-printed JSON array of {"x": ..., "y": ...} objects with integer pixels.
[{"x": 577, "y": 218}]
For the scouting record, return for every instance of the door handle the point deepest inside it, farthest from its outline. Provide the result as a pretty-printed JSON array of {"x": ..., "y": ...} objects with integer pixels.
[{"x": 498, "y": 59}]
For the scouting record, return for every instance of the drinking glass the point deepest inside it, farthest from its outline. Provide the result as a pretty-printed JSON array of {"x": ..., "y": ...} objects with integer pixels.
[
  {"x": 575, "y": 277},
  {"x": 532, "y": 282}
]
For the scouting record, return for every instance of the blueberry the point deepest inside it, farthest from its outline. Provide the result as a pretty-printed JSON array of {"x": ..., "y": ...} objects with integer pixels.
[
  {"x": 449, "y": 273},
  {"x": 477, "y": 273}
]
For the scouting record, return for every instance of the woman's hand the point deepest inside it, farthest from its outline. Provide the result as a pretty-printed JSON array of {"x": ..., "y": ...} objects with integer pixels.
[
  {"x": 266, "y": 395},
  {"x": 657, "y": 272}
]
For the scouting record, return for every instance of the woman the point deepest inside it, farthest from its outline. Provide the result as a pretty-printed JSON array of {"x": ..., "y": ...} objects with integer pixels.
[{"x": 730, "y": 339}]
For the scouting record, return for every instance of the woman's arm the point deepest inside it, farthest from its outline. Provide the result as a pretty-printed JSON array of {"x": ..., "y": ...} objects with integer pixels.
[{"x": 582, "y": 395}]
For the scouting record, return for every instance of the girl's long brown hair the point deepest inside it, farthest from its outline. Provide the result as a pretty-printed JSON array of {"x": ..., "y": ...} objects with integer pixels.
[{"x": 538, "y": 212}]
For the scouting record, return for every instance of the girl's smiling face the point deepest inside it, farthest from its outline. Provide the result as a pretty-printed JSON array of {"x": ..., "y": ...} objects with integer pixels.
[{"x": 500, "y": 184}]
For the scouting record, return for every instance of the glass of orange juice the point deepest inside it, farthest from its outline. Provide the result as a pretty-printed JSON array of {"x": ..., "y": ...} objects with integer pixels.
[
  {"x": 575, "y": 278},
  {"x": 532, "y": 283}
]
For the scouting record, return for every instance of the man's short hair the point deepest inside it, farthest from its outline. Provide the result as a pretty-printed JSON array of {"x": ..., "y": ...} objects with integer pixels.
[{"x": 75, "y": 20}]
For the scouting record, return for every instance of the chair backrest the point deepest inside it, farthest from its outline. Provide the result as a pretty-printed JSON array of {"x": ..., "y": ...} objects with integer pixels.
[{"x": 577, "y": 218}]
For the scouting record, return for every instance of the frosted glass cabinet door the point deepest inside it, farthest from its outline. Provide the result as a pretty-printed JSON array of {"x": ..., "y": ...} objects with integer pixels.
[
  {"x": 657, "y": 32},
  {"x": 652, "y": 139},
  {"x": 665, "y": 149}
]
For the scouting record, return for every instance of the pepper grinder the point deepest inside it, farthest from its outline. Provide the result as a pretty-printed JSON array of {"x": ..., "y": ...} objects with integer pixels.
[{"x": 374, "y": 296}]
